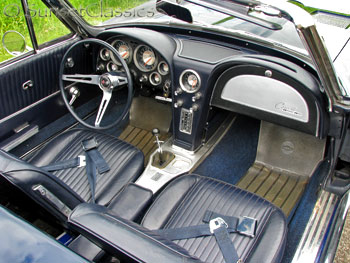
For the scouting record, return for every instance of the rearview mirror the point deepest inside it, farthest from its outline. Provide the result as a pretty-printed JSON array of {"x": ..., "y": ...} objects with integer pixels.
[{"x": 14, "y": 43}]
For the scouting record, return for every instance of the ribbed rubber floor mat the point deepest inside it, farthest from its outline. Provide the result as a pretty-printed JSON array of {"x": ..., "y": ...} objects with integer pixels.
[
  {"x": 142, "y": 139},
  {"x": 281, "y": 188}
]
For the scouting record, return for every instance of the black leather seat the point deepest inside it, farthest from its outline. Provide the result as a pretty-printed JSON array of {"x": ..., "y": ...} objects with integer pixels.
[
  {"x": 183, "y": 203},
  {"x": 71, "y": 186}
]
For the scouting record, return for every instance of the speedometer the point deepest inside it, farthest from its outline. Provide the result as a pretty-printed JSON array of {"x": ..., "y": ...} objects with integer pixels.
[
  {"x": 124, "y": 51},
  {"x": 145, "y": 59}
]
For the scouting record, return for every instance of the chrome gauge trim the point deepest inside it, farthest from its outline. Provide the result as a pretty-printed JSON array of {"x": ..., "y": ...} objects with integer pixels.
[
  {"x": 110, "y": 66},
  {"x": 152, "y": 81},
  {"x": 160, "y": 70},
  {"x": 128, "y": 59},
  {"x": 142, "y": 68},
  {"x": 182, "y": 84},
  {"x": 102, "y": 55}
]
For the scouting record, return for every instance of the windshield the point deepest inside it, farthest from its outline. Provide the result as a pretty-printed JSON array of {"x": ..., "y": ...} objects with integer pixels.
[{"x": 109, "y": 12}]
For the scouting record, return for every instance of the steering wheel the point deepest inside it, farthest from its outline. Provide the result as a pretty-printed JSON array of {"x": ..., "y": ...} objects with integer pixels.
[{"x": 107, "y": 82}]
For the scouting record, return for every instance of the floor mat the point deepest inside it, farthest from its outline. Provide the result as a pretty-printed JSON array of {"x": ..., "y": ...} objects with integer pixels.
[
  {"x": 285, "y": 161},
  {"x": 281, "y": 188},
  {"x": 142, "y": 139}
]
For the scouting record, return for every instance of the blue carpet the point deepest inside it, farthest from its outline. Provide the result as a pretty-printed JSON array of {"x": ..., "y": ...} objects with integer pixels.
[
  {"x": 234, "y": 154},
  {"x": 303, "y": 212}
]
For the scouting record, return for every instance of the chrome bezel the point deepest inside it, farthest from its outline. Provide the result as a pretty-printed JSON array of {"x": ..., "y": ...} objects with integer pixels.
[
  {"x": 161, "y": 72},
  {"x": 152, "y": 82},
  {"x": 109, "y": 66},
  {"x": 137, "y": 62},
  {"x": 101, "y": 56},
  {"x": 114, "y": 59},
  {"x": 182, "y": 85}
]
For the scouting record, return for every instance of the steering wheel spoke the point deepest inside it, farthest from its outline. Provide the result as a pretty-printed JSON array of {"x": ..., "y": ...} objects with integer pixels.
[
  {"x": 81, "y": 78},
  {"x": 103, "y": 106}
]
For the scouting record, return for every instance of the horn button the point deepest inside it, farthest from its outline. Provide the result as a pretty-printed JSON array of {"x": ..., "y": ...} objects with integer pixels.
[{"x": 106, "y": 83}]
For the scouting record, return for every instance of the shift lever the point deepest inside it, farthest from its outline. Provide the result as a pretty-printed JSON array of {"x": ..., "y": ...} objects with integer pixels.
[{"x": 156, "y": 133}]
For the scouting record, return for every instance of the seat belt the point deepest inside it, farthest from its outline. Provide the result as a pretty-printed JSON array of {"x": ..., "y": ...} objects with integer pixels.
[
  {"x": 218, "y": 225},
  {"x": 92, "y": 160}
]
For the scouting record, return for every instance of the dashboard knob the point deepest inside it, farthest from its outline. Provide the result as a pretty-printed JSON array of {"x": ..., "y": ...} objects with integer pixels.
[
  {"x": 194, "y": 108},
  {"x": 178, "y": 104},
  {"x": 143, "y": 79},
  {"x": 178, "y": 91},
  {"x": 196, "y": 96}
]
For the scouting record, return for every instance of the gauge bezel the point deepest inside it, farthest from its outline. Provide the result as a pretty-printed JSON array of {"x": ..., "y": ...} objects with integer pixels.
[
  {"x": 136, "y": 62},
  {"x": 183, "y": 87},
  {"x": 128, "y": 60},
  {"x": 101, "y": 57},
  {"x": 161, "y": 72},
  {"x": 160, "y": 78},
  {"x": 109, "y": 65}
]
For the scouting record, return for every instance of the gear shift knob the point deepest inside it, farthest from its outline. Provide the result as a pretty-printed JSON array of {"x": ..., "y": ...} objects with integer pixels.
[{"x": 155, "y": 132}]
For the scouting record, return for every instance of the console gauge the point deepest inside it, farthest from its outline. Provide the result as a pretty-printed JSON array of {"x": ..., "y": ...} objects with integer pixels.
[
  {"x": 155, "y": 79},
  {"x": 124, "y": 51},
  {"x": 112, "y": 67},
  {"x": 163, "y": 68},
  {"x": 145, "y": 59},
  {"x": 190, "y": 81},
  {"x": 105, "y": 55}
]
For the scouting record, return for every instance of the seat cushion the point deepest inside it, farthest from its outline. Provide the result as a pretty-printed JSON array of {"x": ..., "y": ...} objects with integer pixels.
[
  {"x": 125, "y": 162},
  {"x": 185, "y": 200}
]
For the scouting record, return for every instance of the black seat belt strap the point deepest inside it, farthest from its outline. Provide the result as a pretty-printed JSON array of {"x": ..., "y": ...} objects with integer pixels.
[
  {"x": 219, "y": 228},
  {"x": 65, "y": 164},
  {"x": 91, "y": 175},
  {"x": 90, "y": 148}
]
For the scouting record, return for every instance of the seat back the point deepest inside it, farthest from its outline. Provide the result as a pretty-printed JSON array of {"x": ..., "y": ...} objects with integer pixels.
[{"x": 41, "y": 186}]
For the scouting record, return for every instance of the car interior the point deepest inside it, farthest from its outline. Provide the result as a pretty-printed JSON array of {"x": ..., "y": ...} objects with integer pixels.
[{"x": 167, "y": 129}]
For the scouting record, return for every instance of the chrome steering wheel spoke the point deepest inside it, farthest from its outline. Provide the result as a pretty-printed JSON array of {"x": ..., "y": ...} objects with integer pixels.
[
  {"x": 107, "y": 95},
  {"x": 81, "y": 78}
]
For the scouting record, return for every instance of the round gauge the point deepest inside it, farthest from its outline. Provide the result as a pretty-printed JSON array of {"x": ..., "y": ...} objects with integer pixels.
[
  {"x": 105, "y": 55},
  {"x": 155, "y": 79},
  {"x": 190, "y": 81},
  {"x": 163, "y": 68},
  {"x": 145, "y": 58},
  {"x": 112, "y": 67},
  {"x": 124, "y": 51}
]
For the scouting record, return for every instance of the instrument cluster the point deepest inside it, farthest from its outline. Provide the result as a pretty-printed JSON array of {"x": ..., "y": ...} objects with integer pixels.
[{"x": 148, "y": 68}]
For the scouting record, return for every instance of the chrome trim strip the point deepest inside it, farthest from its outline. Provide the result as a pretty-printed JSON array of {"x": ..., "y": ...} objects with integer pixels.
[
  {"x": 337, "y": 228},
  {"x": 313, "y": 239}
]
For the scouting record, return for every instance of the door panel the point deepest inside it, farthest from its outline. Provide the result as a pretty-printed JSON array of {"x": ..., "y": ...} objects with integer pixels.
[{"x": 39, "y": 104}]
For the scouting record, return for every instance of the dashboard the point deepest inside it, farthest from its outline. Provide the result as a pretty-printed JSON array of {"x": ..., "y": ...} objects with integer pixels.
[{"x": 197, "y": 75}]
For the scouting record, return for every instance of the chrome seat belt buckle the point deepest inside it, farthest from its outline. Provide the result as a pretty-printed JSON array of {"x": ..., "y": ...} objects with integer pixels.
[
  {"x": 247, "y": 226},
  {"x": 217, "y": 223},
  {"x": 82, "y": 161}
]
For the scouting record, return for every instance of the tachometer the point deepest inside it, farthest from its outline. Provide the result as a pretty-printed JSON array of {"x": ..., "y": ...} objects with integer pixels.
[
  {"x": 190, "y": 81},
  {"x": 124, "y": 51},
  {"x": 145, "y": 59}
]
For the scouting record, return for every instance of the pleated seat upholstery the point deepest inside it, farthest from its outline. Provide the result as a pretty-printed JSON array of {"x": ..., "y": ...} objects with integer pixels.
[
  {"x": 125, "y": 162},
  {"x": 184, "y": 202}
]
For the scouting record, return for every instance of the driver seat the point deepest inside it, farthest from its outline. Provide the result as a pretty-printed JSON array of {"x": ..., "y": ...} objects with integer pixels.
[{"x": 61, "y": 191}]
